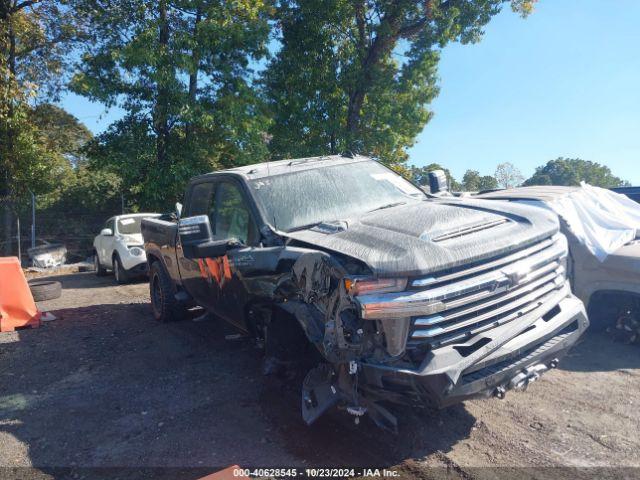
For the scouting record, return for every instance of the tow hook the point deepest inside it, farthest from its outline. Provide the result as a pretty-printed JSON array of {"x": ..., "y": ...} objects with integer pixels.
[
  {"x": 529, "y": 375},
  {"x": 522, "y": 380}
]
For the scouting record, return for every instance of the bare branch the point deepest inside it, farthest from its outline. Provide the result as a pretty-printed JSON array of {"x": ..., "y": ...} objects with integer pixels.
[{"x": 27, "y": 3}]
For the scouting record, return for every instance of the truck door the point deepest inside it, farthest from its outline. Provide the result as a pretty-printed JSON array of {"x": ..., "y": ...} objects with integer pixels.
[
  {"x": 232, "y": 219},
  {"x": 215, "y": 282},
  {"x": 192, "y": 272}
]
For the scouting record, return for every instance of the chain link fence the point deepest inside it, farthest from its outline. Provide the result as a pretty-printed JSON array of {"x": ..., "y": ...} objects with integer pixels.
[{"x": 22, "y": 227}]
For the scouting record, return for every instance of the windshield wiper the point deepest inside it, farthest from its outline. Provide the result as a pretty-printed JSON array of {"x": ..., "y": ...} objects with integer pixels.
[
  {"x": 306, "y": 227},
  {"x": 388, "y": 205}
]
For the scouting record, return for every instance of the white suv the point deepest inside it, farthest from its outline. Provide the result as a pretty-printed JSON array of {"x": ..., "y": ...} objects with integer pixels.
[{"x": 119, "y": 247}]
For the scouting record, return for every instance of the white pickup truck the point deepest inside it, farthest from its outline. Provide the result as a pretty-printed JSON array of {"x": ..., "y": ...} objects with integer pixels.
[{"x": 119, "y": 247}]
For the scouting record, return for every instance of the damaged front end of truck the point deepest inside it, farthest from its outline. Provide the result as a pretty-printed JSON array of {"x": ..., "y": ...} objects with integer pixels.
[{"x": 477, "y": 329}]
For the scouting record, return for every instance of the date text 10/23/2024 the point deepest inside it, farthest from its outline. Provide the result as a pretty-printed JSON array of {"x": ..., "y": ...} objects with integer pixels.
[{"x": 314, "y": 472}]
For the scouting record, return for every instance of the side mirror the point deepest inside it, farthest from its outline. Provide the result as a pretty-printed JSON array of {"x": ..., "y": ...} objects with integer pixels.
[
  {"x": 178, "y": 210},
  {"x": 197, "y": 240},
  {"x": 106, "y": 232},
  {"x": 438, "y": 181}
]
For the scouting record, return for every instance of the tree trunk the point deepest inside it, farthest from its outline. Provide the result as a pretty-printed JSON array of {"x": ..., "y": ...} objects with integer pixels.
[
  {"x": 8, "y": 200},
  {"x": 8, "y": 227},
  {"x": 193, "y": 75},
  {"x": 161, "y": 114},
  {"x": 386, "y": 38}
]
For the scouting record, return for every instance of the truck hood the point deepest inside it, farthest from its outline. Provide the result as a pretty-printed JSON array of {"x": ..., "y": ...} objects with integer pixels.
[{"x": 432, "y": 235}]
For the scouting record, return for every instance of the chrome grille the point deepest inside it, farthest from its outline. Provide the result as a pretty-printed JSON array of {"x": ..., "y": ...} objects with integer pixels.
[
  {"x": 484, "y": 297},
  {"x": 454, "y": 305}
]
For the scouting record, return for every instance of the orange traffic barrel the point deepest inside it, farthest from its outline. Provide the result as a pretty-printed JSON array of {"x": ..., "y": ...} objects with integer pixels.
[{"x": 17, "y": 308}]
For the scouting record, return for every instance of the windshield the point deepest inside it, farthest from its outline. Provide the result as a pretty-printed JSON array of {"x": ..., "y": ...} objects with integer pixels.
[
  {"x": 307, "y": 197},
  {"x": 129, "y": 225}
]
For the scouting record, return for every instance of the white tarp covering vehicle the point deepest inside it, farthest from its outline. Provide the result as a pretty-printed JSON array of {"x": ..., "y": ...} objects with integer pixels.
[
  {"x": 602, "y": 220},
  {"x": 603, "y": 229}
]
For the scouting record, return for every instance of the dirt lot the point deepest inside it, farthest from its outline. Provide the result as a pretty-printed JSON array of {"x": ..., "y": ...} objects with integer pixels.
[{"x": 106, "y": 386}]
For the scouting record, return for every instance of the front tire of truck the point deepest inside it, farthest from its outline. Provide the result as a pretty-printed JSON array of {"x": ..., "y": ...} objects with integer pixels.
[
  {"x": 288, "y": 351},
  {"x": 164, "y": 305}
]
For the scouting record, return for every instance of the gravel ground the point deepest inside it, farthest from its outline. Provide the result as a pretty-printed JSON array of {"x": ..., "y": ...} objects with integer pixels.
[{"x": 105, "y": 386}]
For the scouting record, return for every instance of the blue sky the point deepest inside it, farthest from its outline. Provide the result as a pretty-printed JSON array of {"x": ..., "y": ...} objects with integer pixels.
[{"x": 563, "y": 82}]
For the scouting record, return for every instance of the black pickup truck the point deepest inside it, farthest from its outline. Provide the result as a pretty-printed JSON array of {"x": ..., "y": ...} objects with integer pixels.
[{"x": 385, "y": 294}]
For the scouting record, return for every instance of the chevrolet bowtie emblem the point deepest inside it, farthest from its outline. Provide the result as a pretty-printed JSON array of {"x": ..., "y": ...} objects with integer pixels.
[{"x": 516, "y": 273}]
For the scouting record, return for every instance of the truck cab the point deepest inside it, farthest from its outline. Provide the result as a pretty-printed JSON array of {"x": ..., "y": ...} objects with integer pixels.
[{"x": 386, "y": 295}]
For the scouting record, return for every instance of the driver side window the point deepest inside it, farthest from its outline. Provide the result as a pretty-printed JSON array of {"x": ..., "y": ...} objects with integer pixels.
[
  {"x": 233, "y": 218},
  {"x": 228, "y": 212}
]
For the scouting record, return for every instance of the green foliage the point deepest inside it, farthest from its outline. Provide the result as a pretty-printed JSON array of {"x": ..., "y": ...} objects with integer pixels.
[
  {"x": 360, "y": 75},
  {"x": 181, "y": 71},
  {"x": 26, "y": 160},
  {"x": 571, "y": 171},
  {"x": 61, "y": 132},
  {"x": 472, "y": 181},
  {"x": 33, "y": 41},
  {"x": 420, "y": 175},
  {"x": 85, "y": 191}
]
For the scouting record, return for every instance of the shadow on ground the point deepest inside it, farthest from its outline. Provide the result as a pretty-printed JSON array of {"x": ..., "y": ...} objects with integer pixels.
[
  {"x": 598, "y": 351},
  {"x": 86, "y": 280},
  {"x": 107, "y": 386}
]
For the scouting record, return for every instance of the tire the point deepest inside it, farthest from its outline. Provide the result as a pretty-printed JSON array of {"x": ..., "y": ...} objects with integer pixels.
[
  {"x": 42, "y": 290},
  {"x": 100, "y": 270},
  {"x": 122, "y": 276},
  {"x": 164, "y": 305}
]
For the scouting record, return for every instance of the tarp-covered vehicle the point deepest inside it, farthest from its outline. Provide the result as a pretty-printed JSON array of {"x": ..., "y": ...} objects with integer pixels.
[
  {"x": 603, "y": 229},
  {"x": 339, "y": 264}
]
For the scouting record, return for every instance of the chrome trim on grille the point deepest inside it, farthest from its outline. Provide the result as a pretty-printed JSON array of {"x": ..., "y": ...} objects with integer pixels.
[
  {"x": 520, "y": 302},
  {"x": 468, "y": 307},
  {"x": 494, "y": 282},
  {"x": 431, "y": 280},
  {"x": 554, "y": 297}
]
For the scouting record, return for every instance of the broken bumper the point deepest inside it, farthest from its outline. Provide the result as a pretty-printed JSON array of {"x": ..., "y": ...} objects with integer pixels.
[{"x": 511, "y": 359}]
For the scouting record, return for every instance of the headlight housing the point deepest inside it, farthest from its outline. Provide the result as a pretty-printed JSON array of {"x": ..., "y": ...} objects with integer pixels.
[
  {"x": 364, "y": 286},
  {"x": 136, "y": 251}
]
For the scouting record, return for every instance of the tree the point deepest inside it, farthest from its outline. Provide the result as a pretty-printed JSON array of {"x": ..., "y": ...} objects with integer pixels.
[
  {"x": 508, "y": 176},
  {"x": 487, "y": 182},
  {"x": 359, "y": 75},
  {"x": 472, "y": 181},
  {"x": 181, "y": 71},
  {"x": 420, "y": 175},
  {"x": 61, "y": 132},
  {"x": 34, "y": 41},
  {"x": 571, "y": 171}
]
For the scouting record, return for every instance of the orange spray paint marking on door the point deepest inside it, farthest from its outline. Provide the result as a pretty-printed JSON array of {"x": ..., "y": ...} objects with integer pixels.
[
  {"x": 215, "y": 268},
  {"x": 203, "y": 271}
]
